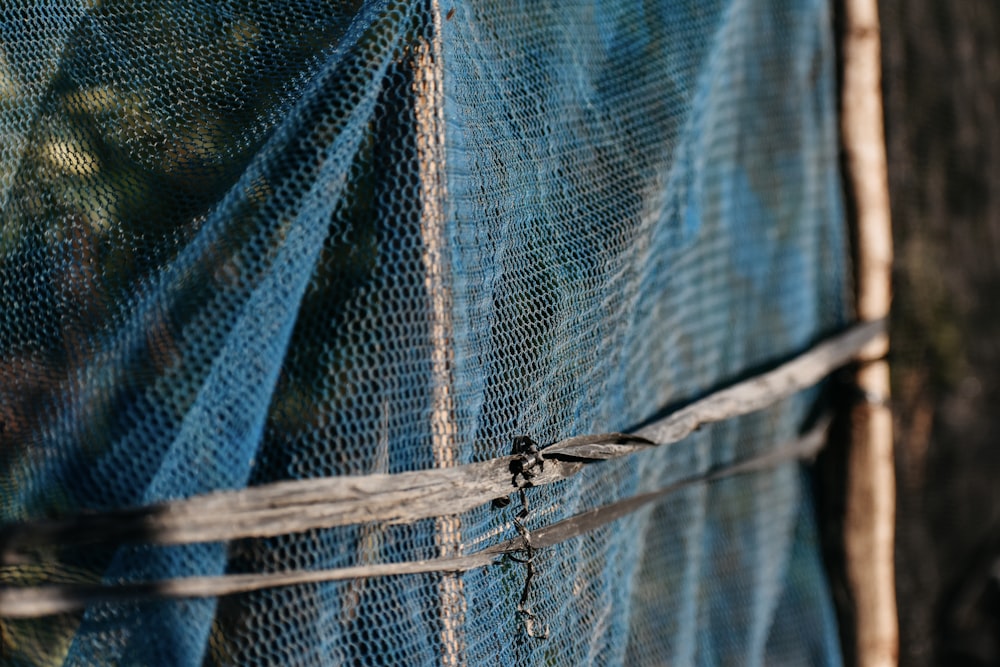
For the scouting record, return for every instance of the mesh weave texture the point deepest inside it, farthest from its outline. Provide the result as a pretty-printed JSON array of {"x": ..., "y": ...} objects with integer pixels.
[{"x": 259, "y": 240}]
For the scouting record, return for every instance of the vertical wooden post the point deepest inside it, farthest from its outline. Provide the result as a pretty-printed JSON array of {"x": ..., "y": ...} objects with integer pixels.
[
  {"x": 869, "y": 527},
  {"x": 429, "y": 111}
]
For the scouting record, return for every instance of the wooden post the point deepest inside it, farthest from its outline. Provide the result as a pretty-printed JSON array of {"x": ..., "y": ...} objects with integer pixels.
[
  {"x": 429, "y": 111},
  {"x": 869, "y": 524}
]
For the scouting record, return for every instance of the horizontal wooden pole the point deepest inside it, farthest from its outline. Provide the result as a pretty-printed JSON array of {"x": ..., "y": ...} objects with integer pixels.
[{"x": 296, "y": 506}]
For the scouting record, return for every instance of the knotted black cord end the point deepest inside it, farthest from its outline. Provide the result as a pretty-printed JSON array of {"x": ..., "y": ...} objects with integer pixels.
[
  {"x": 501, "y": 502},
  {"x": 527, "y": 460},
  {"x": 599, "y": 447}
]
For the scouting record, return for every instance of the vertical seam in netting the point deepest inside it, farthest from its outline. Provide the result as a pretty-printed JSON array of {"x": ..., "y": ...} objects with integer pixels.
[{"x": 429, "y": 113}]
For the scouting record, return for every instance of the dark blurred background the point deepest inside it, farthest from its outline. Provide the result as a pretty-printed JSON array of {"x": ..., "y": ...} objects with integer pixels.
[{"x": 941, "y": 63}]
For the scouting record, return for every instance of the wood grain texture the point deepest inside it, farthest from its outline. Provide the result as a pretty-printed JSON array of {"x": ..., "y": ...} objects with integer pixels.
[
  {"x": 295, "y": 506},
  {"x": 37, "y": 601},
  {"x": 870, "y": 486}
]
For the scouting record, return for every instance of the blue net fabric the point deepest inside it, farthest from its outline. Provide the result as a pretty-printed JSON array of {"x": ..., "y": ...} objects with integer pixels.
[{"x": 245, "y": 242}]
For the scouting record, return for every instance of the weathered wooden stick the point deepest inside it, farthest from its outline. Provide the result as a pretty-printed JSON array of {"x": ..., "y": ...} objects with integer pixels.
[
  {"x": 295, "y": 506},
  {"x": 36, "y": 601},
  {"x": 869, "y": 525}
]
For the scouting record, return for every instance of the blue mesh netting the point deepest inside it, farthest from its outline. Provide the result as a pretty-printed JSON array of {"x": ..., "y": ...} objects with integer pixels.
[{"x": 255, "y": 241}]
